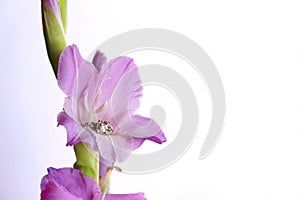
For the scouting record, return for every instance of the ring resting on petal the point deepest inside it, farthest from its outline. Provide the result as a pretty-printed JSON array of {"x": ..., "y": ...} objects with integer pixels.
[{"x": 102, "y": 127}]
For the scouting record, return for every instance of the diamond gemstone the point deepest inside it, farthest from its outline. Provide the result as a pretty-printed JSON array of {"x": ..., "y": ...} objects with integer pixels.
[{"x": 102, "y": 127}]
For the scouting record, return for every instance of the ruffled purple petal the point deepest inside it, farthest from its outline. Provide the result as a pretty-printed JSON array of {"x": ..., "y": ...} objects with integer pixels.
[
  {"x": 158, "y": 138},
  {"x": 68, "y": 67},
  {"x": 74, "y": 72},
  {"x": 125, "y": 101},
  {"x": 74, "y": 75},
  {"x": 68, "y": 183},
  {"x": 51, "y": 190},
  {"x": 143, "y": 127},
  {"x": 71, "y": 126},
  {"x": 127, "y": 93}
]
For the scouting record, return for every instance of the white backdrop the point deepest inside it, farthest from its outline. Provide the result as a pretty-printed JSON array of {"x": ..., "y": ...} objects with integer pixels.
[{"x": 254, "y": 44}]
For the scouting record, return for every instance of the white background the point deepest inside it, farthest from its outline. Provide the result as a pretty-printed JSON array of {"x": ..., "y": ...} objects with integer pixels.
[{"x": 256, "y": 48}]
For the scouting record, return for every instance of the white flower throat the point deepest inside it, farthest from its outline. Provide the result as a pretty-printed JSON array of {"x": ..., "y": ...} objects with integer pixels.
[{"x": 101, "y": 127}]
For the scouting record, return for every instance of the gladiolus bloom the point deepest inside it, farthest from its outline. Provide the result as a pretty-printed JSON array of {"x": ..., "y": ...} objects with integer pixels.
[{"x": 100, "y": 104}]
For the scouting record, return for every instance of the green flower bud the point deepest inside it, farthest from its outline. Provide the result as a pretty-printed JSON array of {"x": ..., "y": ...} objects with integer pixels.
[{"x": 54, "y": 31}]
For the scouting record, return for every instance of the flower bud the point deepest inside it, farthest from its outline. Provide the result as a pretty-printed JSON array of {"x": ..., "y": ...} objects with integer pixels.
[{"x": 54, "y": 31}]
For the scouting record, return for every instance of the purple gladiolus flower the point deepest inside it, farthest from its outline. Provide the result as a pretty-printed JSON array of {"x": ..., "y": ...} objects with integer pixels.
[
  {"x": 100, "y": 104},
  {"x": 71, "y": 184}
]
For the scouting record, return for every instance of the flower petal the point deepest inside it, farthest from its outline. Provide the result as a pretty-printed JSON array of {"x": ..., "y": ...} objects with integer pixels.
[
  {"x": 105, "y": 148},
  {"x": 158, "y": 138},
  {"x": 115, "y": 147},
  {"x": 146, "y": 128},
  {"x": 68, "y": 67},
  {"x": 51, "y": 190},
  {"x": 111, "y": 75},
  {"x": 125, "y": 101},
  {"x": 68, "y": 182},
  {"x": 142, "y": 127},
  {"x": 74, "y": 74},
  {"x": 71, "y": 126},
  {"x": 73, "y": 71},
  {"x": 122, "y": 145}
]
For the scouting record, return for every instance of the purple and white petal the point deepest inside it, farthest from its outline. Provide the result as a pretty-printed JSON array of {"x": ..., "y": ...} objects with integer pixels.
[
  {"x": 51, "y": 190},
  {"x": 125, "y": 101},
  {"x": 115, "y": 147},
  {"x": 111, "y": 75},
  {"x": 71, "y": 126},
  {"x": 123, "y": 145},
  {"x": 68, "y": 66}
]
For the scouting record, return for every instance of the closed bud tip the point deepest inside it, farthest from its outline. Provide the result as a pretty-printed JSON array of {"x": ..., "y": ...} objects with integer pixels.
[{"x": 54, "y": 31}]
